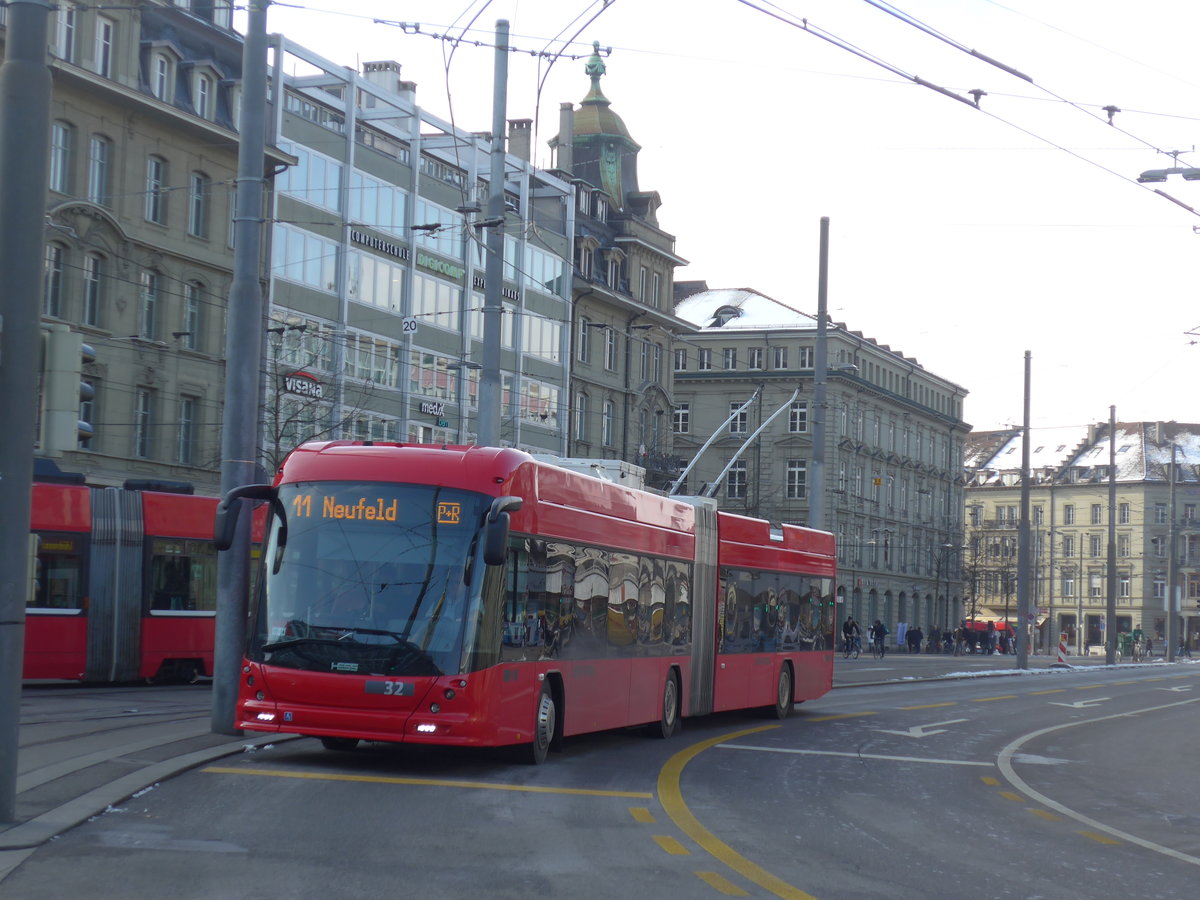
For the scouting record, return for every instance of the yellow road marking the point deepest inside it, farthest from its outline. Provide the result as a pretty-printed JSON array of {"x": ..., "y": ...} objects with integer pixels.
[
  {"x": 428, "y": 782},
  {"x": 1099, "y": 838},
  {"x": 989, "y": 780},
  {"x": 1046, "y": 814},
  {"x": 1124, "y": 682},
  {"x": 671, "y": 798},
  {"x": 643, "y": 815},
  {"x": 722, "y": 884},
  {"x": 1088, "y": 687},
  {"x": 990, "y": 699},
  {"x": 840, "y": 716},
  {"x": 1011, "y": 795},
  {"x": 671, "y": 845},
  {"x": 929, "y": 705},
  {"x": 1052, "y": 691}
]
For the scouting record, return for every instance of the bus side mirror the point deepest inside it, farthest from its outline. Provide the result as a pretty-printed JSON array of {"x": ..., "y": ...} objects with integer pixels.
[
  {"x": 495, "y": 538},
  {"x": 225, "y": 525}
]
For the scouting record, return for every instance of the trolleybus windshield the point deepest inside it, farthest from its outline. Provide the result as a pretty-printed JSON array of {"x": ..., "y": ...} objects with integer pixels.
[{"x": 369, "y": 578}]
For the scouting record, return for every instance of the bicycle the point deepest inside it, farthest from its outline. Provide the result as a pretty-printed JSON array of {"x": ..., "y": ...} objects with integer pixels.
[
  {"x": 878, "y": 649},
  {"x": 851, "y": 647}
]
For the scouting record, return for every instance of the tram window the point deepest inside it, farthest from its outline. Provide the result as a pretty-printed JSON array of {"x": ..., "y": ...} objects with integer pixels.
[
  {"x": 59, "y": 581},
  {"x": 183, "y": 576}
]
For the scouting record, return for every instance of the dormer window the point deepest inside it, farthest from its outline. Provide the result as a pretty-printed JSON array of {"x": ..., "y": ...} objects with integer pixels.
[
  {"x": 601, "y": 208},
  {"x": 725, "y": 314},
  {"x": 162, "y": 75},
  {"x": 204, "y": 94}
]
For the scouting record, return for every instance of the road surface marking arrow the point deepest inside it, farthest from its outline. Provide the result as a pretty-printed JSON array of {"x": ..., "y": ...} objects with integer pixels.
[
  {"x": 1182, "y": 687},
  {"x": 920, "y": 731},
  {"x": 1082, "y": 704}
]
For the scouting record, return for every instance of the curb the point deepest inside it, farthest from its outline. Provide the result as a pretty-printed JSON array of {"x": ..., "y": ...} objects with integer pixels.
[{"x": 35, "y": 832}]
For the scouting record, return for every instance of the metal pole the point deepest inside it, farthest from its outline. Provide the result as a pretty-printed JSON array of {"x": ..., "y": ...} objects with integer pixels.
[
  {"x": 816, "y": 502},
  {"x": 1172, "y": 565},
  {"x": 1110, "y": 623},
  {"x": 25, "y": 90},
  {"x": 490, "y": 393},
  {"x": 243, "y": 349},
  {"x": 1023, "y": 548}
]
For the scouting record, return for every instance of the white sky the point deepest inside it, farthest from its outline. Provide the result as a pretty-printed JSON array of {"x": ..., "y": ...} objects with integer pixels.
[{"x": 956, "y": 238}]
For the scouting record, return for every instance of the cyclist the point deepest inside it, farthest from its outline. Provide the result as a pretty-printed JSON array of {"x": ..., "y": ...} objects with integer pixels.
[
  {"x": 851, "y": 635},
  {"x": 878, "y": 633}
]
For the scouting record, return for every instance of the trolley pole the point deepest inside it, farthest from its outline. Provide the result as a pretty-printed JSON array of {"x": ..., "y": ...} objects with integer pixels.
[
  {"x": 243, "y": 354},
  {"x": 816, "y": 500},
  {"x": 1023, "y": 548}
]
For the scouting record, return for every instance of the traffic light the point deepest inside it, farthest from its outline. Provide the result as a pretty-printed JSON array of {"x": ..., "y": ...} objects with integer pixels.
[{"x": 63, "y": 389}]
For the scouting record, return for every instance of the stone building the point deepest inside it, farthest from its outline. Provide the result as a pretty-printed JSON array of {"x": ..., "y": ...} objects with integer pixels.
[
  {"x": 1069, "y": 528},
  {"x": 893, "y": 450},
  {"x": 623, "y": 324},
  {"x": 143, "y": 154}
]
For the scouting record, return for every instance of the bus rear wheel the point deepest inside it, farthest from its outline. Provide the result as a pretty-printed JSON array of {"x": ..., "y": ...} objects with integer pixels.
[
  {"x": 668, "y": 722},
  {"x": 545, "y": 721},
  {"x": 783, "y": 693}
]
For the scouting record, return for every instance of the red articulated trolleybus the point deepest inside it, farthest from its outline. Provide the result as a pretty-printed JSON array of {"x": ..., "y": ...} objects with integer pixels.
[
  {"x": 124, "y": 583},
  {"x": 474, "y": 596}
]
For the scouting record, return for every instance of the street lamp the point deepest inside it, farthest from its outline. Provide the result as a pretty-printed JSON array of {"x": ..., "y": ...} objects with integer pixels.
[{"x": 1156, "y": 176}]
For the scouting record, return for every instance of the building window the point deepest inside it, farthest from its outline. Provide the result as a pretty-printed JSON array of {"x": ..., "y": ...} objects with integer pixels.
[
  {"x": 1160, "y": 514},
  {"x": 740, "y": 423},
  {"x": 1068, "y": 545},
  {"x": 735, "y": 481},
  {"x": 610, "y": 349},
  {"x": 1068, "y": 585},
  {"x": 187, "y": 429},
  {"x": 105, "y": 31},
  {"x": 199, "y": 188},
  {"x": 729, "y": 356},
  {"x": 1069, "y": 514},
  {"x": 149, "y": 305},
  {"x": 99, "y": 156},
  {"x": 755, "y": 357},
  {"x": 93, "y": 288},
  {"x": 1160, "y": 587},
  {"x": 1160, "y": 546},
  {"x": 656, "y": 298},
  {"x": 798, "y": 417},
  {"x": 581, "y": 415},
  {"x": 1095, "y": 545},
  {"x": 1097, "y": 514},
  {"x": 156, "y": 190},
  {"x": 797, "y": 479},
  {"x": 1094, "y": 587},
  {"x": 680, "y": 360},
  {"x": 607, "y": 416},
  {"x": 202, "y": 96},
  {"x": 1123, "y": 545},
  {"x": 65, "y": 31},
  {"x": 704, "y": 359},
  {"x": 779, "y": 357},
  {"x": 193, "y": 304},
  {"x": 806, "y": 357},
  {"x": 162, "y": 77},
  {"x": 584, "y": 343},
  {"x": 143, "y": 421},
  {"x": 683, "y": 418},
  {"x": 53, "y": 281},
  {"x": 62, "y": 137},
  {"x": 643, "y": 276},
  {"x": 1039, "y": 515}
]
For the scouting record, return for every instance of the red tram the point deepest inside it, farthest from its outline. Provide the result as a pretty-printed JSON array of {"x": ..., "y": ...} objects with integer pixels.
[
  {"x": 479, "y": 597},
  {"x": 124, "y": 583}
]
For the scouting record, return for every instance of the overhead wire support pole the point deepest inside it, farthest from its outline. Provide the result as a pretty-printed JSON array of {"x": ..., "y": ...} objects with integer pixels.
[
  {"x": 1023, "y": 535},
  {"x": 816, "y": 501},
  {"x": 717, "y": 433},
  {"x": 716, "y": 482},
  {"x": 1110, "y": 623},
  {"x": 490, "y": 393},
  {"x": 25, "y": 94},
  {"x": 243, "y": 353}
]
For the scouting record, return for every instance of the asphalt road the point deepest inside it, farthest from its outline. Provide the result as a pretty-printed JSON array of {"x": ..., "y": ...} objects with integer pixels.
[{"x": 1050, "y": 785}]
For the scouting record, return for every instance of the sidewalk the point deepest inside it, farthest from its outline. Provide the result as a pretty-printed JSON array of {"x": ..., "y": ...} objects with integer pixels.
[{"x": 84, "y": 748}]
